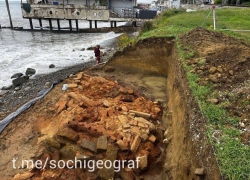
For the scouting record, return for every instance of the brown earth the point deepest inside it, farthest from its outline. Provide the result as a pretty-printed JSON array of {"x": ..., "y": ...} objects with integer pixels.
[
  {"x": 147, "y": 78},
  {"x": 93, "y": 109},
  {"x": 224, "y": 62}
]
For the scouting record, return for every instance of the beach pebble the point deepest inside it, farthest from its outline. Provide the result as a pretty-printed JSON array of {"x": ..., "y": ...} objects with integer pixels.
[
  {"x": 3, "y": 92},
  {"x": 19, "y": 81},
  {"x": 48, "y": 84},
  {"x": 26, "y": 78},
  {"x": 30, "y": 71},
  {"x": 52, "y": 66},
  {"x": 16, "y": 75},
  {"x": 17, "y": 88}
]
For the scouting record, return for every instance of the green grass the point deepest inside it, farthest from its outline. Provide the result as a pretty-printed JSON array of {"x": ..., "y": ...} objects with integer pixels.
[
  {"x": 178, "y": 22},
  {"x": 233, "y": 157}
]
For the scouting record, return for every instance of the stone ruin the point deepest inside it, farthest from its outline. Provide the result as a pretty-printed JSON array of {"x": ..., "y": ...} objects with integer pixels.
[{"x": 98, "y": 119}]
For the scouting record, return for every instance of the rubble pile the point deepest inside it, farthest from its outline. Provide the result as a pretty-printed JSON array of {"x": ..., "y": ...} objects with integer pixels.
[{"x": 99, "y": 119}]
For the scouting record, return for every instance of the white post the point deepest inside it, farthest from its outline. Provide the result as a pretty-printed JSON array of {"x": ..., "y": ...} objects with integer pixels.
[{"x": 214, "y": 17}]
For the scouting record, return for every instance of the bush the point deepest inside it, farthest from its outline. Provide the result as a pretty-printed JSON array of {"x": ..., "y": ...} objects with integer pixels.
[
  {"x": 124, "y": 40},
  {"x": 217, "y": 1},
  {"x": 146, "y": 26},
  {"x": 172, "y": 12},
  {"x": 246, "y": 4}
]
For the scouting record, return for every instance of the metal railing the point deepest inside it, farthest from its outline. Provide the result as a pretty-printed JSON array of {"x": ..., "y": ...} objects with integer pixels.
[{"x": 127, "y": 13}]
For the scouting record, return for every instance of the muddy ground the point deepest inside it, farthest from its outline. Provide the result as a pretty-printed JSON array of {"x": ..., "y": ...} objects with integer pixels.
[{"x": 167, "y": 129}]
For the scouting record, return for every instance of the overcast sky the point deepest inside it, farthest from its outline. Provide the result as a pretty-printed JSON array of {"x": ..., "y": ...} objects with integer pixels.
[{"x": 139, "y": 1}]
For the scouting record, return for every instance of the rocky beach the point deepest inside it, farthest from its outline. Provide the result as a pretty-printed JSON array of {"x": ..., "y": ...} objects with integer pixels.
[{"x": 14, "y": 96}]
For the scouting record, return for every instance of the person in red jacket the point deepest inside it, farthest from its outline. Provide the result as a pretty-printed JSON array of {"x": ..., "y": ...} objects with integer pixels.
[{"x": 97, "y": 54}]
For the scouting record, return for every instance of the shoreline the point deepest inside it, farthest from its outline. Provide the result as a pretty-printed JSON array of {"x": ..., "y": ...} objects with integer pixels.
[{"x": 13, "y": 99}]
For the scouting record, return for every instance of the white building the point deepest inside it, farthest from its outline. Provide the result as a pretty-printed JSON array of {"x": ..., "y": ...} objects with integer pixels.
[
  {"x": 174, "y": 4},
  {"x": 153, "y": 5}
]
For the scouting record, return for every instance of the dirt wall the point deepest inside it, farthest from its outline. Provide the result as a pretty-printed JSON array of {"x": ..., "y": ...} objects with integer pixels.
[
  {"x": 187, "y": 146},
  {"x": 149, "y": 56}
]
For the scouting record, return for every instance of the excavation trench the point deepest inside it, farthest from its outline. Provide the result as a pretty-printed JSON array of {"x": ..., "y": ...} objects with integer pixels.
[
  {"x": 147, "y": 77},
  {"x": 153, "y": 68}
]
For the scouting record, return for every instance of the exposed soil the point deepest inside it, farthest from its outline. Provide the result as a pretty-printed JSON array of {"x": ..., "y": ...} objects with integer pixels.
[
  {"x": 224, "y": 62},
  {"x": 147, "y": 78}
]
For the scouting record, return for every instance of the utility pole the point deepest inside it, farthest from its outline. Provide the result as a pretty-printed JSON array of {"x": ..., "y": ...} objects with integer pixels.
[{"x": 8, "y": 9}]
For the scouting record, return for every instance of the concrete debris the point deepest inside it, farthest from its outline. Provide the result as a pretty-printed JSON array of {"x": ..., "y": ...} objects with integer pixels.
[
  {"x": 89, "y": 145},
  {"x": 123, "y": 146},
  {"x": 143, "y": 163},
  {"x": 68, "y": 133},
  {"x": 95, "y": 122},
  {"x": 106, "y": 104},
  {"x": 141, "y": 114},
  {"x": 52, "y": 142},
  {"x": 102, "y": 143},
  {"x": 200, "y": 171},
  {"x": 109, "y": 173},
  {"x": 152, "y": 138},
  {"x": 135, "y": 143},
  {"x": 23, "y": 176},
  {"x": 70, "y": 86}
]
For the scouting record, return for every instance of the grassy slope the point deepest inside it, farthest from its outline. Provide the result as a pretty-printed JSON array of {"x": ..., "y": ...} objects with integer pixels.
[
  {"x": 184, "y": 22},
  {"x": 233, "y": 157}
]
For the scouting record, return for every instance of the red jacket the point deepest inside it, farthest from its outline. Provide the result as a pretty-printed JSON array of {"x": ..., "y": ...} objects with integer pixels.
[{"x": 97, "y": 52}]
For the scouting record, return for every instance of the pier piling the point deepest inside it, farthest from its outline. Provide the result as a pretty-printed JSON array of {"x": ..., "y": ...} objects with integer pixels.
[
  {"x": 77, "y": 28},
  {"x": 70, "y": 25},
  {"x": 58, "y": 24},
  {"x": 90, "y": 24},
  {"x": 8, "y": 9},
  {"x": 50, "y": 24},
  {"x": 96, "y": 24},
  {"x": 134, "y": 24},
  {"x": 40, "y": 23},
  {"x": 31, "y": 24}
]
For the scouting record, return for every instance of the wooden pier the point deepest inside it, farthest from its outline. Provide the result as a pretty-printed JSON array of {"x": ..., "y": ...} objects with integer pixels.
[{"x": 72, "y": 14}]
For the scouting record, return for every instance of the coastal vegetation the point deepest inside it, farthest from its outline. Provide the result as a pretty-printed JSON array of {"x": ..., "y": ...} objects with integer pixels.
[{"x": 124, "y": 40}]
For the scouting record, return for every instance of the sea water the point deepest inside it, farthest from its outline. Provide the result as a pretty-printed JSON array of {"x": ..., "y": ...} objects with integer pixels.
[{"x": 20, "y": 50}]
